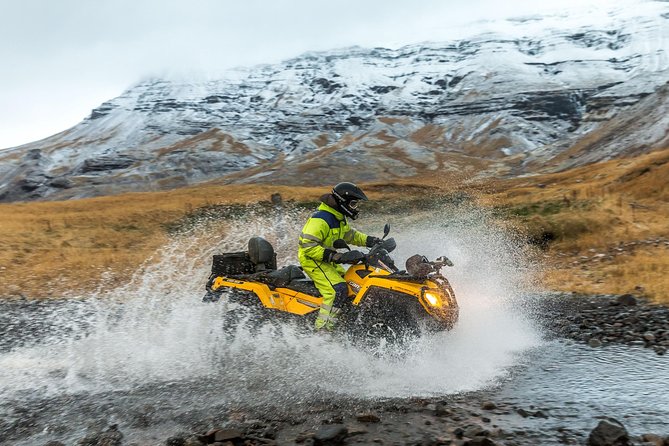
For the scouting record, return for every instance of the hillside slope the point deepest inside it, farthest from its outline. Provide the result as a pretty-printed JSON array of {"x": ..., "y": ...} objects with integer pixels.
[{"x": 542, "y": 93}]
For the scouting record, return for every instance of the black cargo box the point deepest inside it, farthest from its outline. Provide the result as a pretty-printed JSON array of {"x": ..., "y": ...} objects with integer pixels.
[{"x": 237, "y": 264}]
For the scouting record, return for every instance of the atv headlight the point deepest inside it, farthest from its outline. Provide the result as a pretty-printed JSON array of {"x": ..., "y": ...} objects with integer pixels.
[{"x": 432, "y": 299}]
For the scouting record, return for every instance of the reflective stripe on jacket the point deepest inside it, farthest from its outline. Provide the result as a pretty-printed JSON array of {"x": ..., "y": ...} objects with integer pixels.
[{"x": 322, "y": 229}]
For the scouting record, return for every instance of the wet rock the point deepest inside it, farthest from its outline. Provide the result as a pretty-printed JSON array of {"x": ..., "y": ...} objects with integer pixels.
[
  {"x": 442, "y": 411},
  {"x": 368, "y": 418},
  {"x": 474, "y": 430},
  {"x": 594, "y": 343},
  {"x": 649, "y": 337},
  {"x": 331, "y": 434},
  {"x": 609, "y": 432},
  {"x": 176, "y": 440},
  {"x": 488, "y": 405},
  {"x": 54, "y": 443},
  {"x": 653, "y": 439}
]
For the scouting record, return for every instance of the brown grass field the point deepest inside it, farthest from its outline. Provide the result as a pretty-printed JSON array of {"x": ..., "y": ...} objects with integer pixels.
[{"x": 602, "y": 228}]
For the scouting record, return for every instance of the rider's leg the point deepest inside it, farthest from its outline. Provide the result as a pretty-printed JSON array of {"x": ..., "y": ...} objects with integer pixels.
[{"x": 332, "y": 287}]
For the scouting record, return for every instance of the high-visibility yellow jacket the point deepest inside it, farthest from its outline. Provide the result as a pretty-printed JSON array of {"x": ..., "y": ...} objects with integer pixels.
[{"x": 320, "y": 232}]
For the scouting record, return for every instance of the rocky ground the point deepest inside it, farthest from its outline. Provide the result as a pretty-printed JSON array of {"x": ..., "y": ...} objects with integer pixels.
[
  {"x": 610, "y": 319},
  {"x": 479, "y": 418}
]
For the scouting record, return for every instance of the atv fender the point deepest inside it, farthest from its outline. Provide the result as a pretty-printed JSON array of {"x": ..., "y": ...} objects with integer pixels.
[
  {"x": 283, "y": 299},
  {"x": 259, "y": 289}
]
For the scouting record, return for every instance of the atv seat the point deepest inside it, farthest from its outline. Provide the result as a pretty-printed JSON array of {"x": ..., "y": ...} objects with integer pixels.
[
  {"x": 282, "y": 277},
  {"x": 305, "y": 286},
  {"x": 277, "y": 278},
  {"x": 290, "y": 277}
]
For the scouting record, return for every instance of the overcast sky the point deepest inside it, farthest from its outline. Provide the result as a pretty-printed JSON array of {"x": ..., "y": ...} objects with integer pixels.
[{"x": 61, "y": 58}]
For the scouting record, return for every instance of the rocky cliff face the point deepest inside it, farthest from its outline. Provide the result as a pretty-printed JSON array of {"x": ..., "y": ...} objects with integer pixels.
[{"x": 549, "y": 93}]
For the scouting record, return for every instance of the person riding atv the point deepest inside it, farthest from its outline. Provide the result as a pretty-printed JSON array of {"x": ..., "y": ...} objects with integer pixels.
[{"x": 319, "y": 259}]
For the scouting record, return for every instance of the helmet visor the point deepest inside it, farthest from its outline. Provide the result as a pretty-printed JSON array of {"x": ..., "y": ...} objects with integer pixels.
[{"x": 353, "y": 204}]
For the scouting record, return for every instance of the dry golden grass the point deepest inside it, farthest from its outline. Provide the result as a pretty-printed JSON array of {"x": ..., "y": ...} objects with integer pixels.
[
  {"x": 612, "y": 213},
  {"x": 51, "y": 248},
  {"x": 599, "y": 223}
]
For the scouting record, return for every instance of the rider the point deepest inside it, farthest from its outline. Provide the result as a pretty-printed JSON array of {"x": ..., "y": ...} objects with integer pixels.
[{"x": 317, "y": 256}]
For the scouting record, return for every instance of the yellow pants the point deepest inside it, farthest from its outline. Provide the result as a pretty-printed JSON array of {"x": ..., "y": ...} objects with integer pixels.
[{"x": 328, "y": 278}]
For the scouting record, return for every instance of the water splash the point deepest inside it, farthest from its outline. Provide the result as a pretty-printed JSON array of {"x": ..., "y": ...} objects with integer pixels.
[{"x": 156, "y": 331}]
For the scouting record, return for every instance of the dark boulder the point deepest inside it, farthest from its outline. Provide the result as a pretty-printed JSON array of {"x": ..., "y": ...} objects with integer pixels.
[
  {"x": 609, "y": 432},
  {"x": 331, "y": 434},
  {"x": 627, "y": 300}
]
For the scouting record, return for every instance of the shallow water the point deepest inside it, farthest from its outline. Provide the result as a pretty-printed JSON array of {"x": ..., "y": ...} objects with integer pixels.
[
  {"x": 56, "y": 390},
  {"x": 577, "y": 384}
]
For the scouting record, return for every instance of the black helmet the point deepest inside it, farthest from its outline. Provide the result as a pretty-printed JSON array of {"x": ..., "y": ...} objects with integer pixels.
[{"x": 348, "y": 196}]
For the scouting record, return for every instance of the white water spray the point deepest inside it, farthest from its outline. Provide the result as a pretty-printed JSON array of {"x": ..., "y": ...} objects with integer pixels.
[{"x": 156, "y": 330}]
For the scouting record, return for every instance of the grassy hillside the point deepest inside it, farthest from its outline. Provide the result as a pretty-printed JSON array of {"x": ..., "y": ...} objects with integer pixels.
[
  {"x": 604, "y": 227},
  {"x": 601, "y": 228}
]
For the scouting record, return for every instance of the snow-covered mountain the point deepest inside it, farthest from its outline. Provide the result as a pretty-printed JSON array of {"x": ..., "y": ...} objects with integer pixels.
[{"x": 545, "y": 93}]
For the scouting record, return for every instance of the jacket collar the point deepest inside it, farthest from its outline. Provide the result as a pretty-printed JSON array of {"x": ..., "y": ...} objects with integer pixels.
[{"x": 333, "y": 211}]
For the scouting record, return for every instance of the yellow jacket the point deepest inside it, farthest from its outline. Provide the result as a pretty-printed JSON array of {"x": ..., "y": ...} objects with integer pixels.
[{"x": 320, "y": 232}]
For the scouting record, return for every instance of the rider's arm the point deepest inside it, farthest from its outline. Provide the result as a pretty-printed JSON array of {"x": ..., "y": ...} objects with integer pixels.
[
  {"x": 356, "y": 238},
  {"x": 312, "y": 237}
]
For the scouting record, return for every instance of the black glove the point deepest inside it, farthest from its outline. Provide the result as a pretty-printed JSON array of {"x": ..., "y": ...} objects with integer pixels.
[
  {"x": 348, "y": 257},
  {"x": 372, "y": 241},
  {"x": 328, "y": 255},
  {"x": 332, "y": 256}
]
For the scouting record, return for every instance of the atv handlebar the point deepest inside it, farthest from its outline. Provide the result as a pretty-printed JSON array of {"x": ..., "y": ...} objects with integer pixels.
[{"x": 378, "y": 256}]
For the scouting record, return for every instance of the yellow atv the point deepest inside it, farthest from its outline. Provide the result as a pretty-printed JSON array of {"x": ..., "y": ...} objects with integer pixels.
[{"x": 383, "y": 301}]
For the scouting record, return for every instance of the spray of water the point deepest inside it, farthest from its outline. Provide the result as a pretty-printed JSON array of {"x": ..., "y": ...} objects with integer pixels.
[{"x": 155, "y": 331}]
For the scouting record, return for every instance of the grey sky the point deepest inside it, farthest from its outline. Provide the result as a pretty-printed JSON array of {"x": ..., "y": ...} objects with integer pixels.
[{"x": 61, "y": 58}]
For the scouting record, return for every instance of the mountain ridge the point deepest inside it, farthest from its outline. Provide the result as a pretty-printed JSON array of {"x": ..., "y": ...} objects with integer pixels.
[{"x": 493, "y": 104}]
